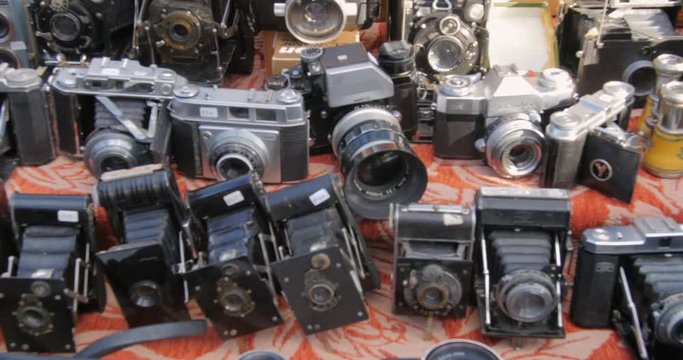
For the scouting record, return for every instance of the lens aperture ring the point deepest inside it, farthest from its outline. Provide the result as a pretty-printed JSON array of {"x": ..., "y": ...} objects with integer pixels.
[
  {"x": 527, "y": 296},
  {"x": 366, "y": 134}
]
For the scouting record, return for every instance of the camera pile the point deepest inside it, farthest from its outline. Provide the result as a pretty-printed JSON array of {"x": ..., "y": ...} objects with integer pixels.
[{"x": 131, "y": 88}]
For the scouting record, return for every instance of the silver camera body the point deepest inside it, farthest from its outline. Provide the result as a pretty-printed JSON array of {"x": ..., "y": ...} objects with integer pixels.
[
  {"x": 568, "y": 130},
  {"x": 225, "y": 133},
  {"x": 113, "y": 113},
  {"x": 17, "y": 43},
  {"x": 498, "y": 115}
]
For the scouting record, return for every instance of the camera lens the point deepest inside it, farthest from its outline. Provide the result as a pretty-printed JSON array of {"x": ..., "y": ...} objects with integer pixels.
[
  {"x": 377, "y": 161},
  {"x": 180, "y": 32},
  {"x": 235, "y": 153},
  {"x": 514, "y": 146},
  {"x": 145, "y": 294},
  {"x": 461, "y": 350},
  {"x": 9, "y": 57},
  {"x": 33, "y": 317},
  {"x": 444, "y": 54},
  {"x": 65, "y": 27},
  {"x": 321, "y": 294},
  {"x": 433, "y": 297},
  {"x": 108, "y": 150},
  {"x": 314, "y": 21},
  {"x": 5, "y": 26},
  {"x": 234, "y": 300},
  {"x": 669, "y": 325},
  {"x": 527, "y": 296}
]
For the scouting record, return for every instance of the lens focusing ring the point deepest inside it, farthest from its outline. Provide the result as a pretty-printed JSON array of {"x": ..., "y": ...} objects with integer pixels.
[
  {"x": 57, "y": 23},
  {"x": 527, "y": 296},
  {"x": 315, "y": 284},
  {"x": 509, "y": 135},
  {"x": 227, "y": 292},
  {"x": 315, "y": 21},
  {"x": 108, "y": 150},
  {"x": 241, "y": 148},
  {"x": 669, "y": 324},
  {"x": 32, "y": 317}
]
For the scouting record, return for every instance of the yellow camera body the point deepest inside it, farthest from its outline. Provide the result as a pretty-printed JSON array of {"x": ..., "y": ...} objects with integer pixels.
[{"x": 665, "y": 156}]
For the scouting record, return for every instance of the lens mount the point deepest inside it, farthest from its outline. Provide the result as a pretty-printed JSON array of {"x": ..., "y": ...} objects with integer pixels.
[
  {"x": 145, "y": 294},
  {"x": 641, "y": 74},
  {"x": 181, "y": 30},
  {"x": 433, "y": 289},
  {"x": 320, "y": 291},
  {"x": 317, "y": 21},
  {"x": 445, "y": 45},
  {"x": 65, "y": 27},
  {"x": 235, "y": 153},
  {"x": 444, "y": 54},
  {"x": 32, "y": 317},
  {"x": 233, "y": 299},
  {"x": 514, "y": 146},
  {"x": 527, "y": 296},
  {"x": 669, "y": 324},
  {"x": 376, "y": 159},
  {"x": 109, "y": 150}
]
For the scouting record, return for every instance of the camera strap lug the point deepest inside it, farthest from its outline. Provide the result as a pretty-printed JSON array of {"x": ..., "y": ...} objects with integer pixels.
[
  {"x": 633, "y": 312},
  {"x": 138, "y": 133}
]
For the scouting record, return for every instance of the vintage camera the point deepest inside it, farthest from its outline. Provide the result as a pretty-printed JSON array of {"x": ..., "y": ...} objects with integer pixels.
[
  {"x": 315, "y": 21},
  {"x": 617, "y": 45},
  {"x": 74, "y": 28},
  {"x": 17, "y": 43},
  {"x": 325, "y": 265},
  {"x": 663, "y": 158},
  {"x": 365, "y": 134},
  {"x": 225, "y": 133},
  {"x": 233, "y": 282},
  {"x": 519, "y": 285},
  {"x": 117, "y": 109},
  {"x": 498, "y": 117},
  {"x": 197, "y": 39},
  {"x": 630, "y": 277},
  {"x": 449, "y": 36},
  {"x": 24, "y": 113},
  {"x": 53, "y": 278},
  {"x": 433, "y": 266},
  {"x": 668, "y": 68},
  {"x": 567, "y": 135},
  {"x": 397, "y": 59},
  {"x": 146, "y": 212}
]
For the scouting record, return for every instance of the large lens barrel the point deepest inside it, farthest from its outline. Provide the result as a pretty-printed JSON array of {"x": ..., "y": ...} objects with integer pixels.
[
  {"x": 377, "y": 161},
  {"x": 315, "y": 21},
  {"x": 527, "y": 296},
  {"x": 514, "y": 146}
]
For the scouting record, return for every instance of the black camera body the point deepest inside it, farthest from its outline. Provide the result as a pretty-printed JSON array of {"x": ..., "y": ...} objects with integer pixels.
[
  {"x": 620, "y": 47},
  {"x": 433, "y": 266},
  {"x": 145, "y": 210},
  {"x": 53, "y": 276},
  {"x": 76, "y": 28},
  {"x": 630, "y": 277},
  {"x": 232, "y": 282},
  {"x": 521, "y": 234},
  {"x": 397, "y": 59},
  {"x": 198, "y": 39},
  {"x": 326, "y": 266},
  {"x": 450, "y": 37}
]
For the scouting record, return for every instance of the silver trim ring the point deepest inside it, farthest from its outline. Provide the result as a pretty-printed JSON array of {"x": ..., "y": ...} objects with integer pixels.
[{"x": 356, "y": 117}]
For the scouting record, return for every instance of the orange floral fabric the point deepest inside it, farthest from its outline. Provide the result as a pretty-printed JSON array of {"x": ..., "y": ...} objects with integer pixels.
[{"x": 384, "y": 335}]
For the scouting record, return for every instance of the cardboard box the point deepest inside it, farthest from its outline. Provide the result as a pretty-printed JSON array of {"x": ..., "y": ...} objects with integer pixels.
[{"x": 282, "y": 49}]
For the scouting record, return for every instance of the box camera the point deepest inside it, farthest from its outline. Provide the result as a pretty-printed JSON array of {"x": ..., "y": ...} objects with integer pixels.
[
  {"x": 449, "y": 36},
  {"x": 232, "y": 281},
  {"x": 24, "y": 110},
  {"x": 664, "y": 158},
  {"x": 519, "y": 285},
  {"x": 315, "y": 21},
  {"x": 498, "y": 117},
  {"x": 53, "y": 277},
  {"x": 433, "y": 264},
  {"x": 197, "y": 39},
  {"x": 618, "y": 45},
  {"x": 146, "y": 212},
  {"x": 568, "y": 131},
  {"x": 117, "y": 109},
  {"x": 75, "y": 28},
  {"x": 365, "y": 134},
  {"x": 17, "y": 43},
  {"x": 225, "y": 133},
  {"x": 630, "y": 277},
  {"x": 325, "y": 265}
]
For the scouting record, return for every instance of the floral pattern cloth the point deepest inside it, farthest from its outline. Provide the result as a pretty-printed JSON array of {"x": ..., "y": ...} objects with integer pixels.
[{"x": 384, "y": 335}]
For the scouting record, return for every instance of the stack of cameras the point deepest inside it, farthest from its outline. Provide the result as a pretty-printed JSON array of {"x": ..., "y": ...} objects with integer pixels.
[{"x": 507, "y": 252}]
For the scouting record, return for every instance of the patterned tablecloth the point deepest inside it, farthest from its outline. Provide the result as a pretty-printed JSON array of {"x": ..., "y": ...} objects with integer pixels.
[{"x": 384, "y": 335}]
